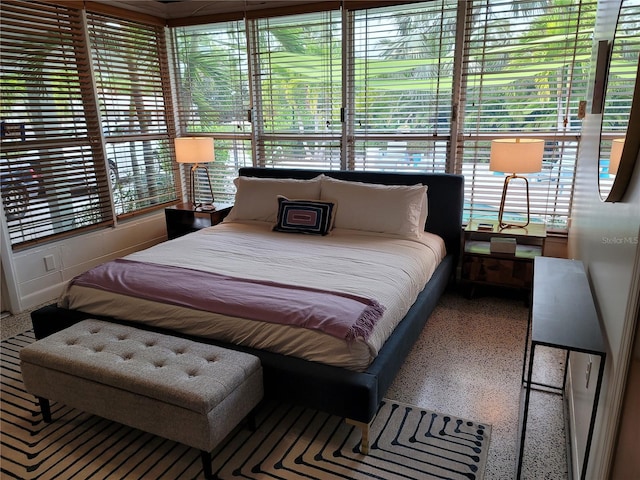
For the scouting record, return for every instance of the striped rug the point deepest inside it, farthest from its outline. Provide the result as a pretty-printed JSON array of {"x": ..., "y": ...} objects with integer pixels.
[{"x": 407, "y": 442}]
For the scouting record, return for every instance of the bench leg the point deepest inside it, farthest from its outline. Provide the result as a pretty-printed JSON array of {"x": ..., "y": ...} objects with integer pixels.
[
  {"x": 45, "y": 409},
  {"x": 206, "y": 464}
]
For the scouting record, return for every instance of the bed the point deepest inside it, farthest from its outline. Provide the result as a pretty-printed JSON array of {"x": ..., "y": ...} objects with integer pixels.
[{"x": 350, "y": 390}]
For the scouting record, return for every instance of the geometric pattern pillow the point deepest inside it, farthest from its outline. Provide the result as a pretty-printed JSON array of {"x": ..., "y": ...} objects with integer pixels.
[{"x": 304, "y": 216}]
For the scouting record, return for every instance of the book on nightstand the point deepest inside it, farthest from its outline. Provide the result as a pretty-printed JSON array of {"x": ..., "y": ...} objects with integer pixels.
[{"x": 485, "y": 227}]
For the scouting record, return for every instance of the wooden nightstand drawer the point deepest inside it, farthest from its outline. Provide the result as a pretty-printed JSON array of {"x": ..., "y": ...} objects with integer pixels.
[{"x": 498, "y": 271}]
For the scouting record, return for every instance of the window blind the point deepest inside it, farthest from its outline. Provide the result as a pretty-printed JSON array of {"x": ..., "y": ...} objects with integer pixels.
[
  {"x": 525, "y": 69},
  {"x": 54, "y": 179},
  {"x": 296, "y": 68},
  {"x": 212, "y": 79},
  {"x": 132, "y": 84},
  {"x": 400, "y": 76}
]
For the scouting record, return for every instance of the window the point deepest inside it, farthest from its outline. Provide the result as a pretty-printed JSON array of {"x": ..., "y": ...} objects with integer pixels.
[
  {"x": 296, "y": 80},
  {"x": 525, "y": 69},
  {"x": 63, "y": 147},
  {"x": 54, "y": 179},
  {"x": 400, "y": 78},
  {"x": 132, "y": 81},
  {"x": 213, "y": 98},
  {"x": 398, "y": 88},
  {"x": 408, "y": 87}
]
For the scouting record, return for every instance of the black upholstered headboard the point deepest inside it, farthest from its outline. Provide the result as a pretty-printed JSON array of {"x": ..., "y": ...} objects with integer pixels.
[{"x": 445, "y": 193}]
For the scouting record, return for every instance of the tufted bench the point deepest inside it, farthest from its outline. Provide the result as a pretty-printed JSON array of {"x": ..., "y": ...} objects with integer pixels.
[{"x": 189, "y": 392}]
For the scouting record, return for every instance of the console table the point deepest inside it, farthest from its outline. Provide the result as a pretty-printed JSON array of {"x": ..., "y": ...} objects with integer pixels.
[{"x": 562, "y": 316}]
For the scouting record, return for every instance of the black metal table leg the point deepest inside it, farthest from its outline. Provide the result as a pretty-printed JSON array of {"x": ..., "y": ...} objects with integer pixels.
[{"x": 525, "y": 414}]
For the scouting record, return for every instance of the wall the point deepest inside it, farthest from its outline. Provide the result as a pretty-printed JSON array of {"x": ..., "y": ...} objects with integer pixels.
[
  {"x": 30, "y": 283},
  {"x": 555, "y": 246},
  {"x": 626, "y": 461},
  {"x": 605, "y": 237}
]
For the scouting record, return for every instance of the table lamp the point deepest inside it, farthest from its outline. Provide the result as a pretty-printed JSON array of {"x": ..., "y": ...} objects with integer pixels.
[
  {"x": 517, "y": 155},
  {"x": 617, "y": 145},
  {"x": 196, "y": 150}
]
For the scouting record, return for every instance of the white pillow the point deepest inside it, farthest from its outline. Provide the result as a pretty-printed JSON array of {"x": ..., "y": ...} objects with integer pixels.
[
  {"x": 424, "y": 211},
  {"x": 394, "y": 209},
  {"x": 257, "y": 198}
]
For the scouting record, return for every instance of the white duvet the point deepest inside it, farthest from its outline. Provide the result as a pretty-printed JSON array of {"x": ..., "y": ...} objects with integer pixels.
[{"x": 388, "y": 269}]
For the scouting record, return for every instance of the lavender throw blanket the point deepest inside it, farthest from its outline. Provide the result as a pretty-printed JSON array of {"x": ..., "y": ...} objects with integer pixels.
[{"x": 338, "y": 314}]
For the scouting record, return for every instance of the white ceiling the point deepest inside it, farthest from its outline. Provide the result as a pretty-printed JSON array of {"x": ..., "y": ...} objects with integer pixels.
[{"x": 196, "y": 8}]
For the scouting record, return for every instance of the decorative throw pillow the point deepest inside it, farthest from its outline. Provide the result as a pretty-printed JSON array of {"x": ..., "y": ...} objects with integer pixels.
[{"x": 304, "y": 216}]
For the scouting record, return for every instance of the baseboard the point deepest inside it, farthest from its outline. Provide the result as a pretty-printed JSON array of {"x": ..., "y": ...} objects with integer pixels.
[
  {"x": 49, "y": 294},
  {"x": 579, "y": 392},
  {"x": 570, "y": 422}
]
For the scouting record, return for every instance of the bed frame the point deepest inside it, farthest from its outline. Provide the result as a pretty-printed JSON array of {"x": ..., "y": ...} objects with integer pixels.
[{"x": 352, "y": 395}]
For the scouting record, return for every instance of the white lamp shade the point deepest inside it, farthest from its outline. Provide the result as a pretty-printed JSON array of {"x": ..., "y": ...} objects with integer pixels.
[
  {"x": 516, "y": 155},
  {"x": 194, "y": 150},
  {"x": 616, "y": 154}
]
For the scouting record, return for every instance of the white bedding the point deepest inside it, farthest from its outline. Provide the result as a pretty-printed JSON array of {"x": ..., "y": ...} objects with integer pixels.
[{"x": 385, "y": 268}]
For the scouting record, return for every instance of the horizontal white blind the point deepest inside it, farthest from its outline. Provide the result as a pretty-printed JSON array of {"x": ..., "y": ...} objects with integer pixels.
[
  {"x": 307, "y": 152},
  {"x": 400, "y": 154},
  {"x": 212, "y": 78},
  {"x": 403, "y": 68},
  {"x": 212, "y": 81},
  {"x": 141, "y": 173},
  {"x": 54, "y": 178},
  {"x": 231, "y": 154},
  {"x": 549, "y": 190},
  {"x": 133, "y": 89},
  {"x": 297, "y": 86},
  {"x": 400, "y": 75},
  {"x": 525, "y": 69}
]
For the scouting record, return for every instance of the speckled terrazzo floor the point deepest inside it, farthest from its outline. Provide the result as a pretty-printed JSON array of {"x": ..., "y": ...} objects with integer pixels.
[
  {"x": 468, "y": 362},
  {"x": 11, "y": 325}
]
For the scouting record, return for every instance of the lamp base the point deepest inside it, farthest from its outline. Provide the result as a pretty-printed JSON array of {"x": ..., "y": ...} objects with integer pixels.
[
  {"x": 503, "y": 225},
  {"x": 192, "y": 189}
]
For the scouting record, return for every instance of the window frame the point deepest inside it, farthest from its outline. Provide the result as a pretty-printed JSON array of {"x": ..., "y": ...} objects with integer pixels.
[
  {"x": 274, "y": 144},
  {"x": 550, "y": 191},
  {"x": 250, "y": 145},
  {"x": 134, "y": 100},
  {"x": 462, "y": 148},
  {"x": 233, "y": 143},
  {"x": 65, "y": 183},
  {"x": 412, "y": 146},
  {"x": 75, "y": 160}
]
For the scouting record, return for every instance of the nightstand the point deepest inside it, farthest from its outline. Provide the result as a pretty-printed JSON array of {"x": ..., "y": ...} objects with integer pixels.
[
  {"x": 482, "y": 266},
  {"x": 182, "y": 218}
]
